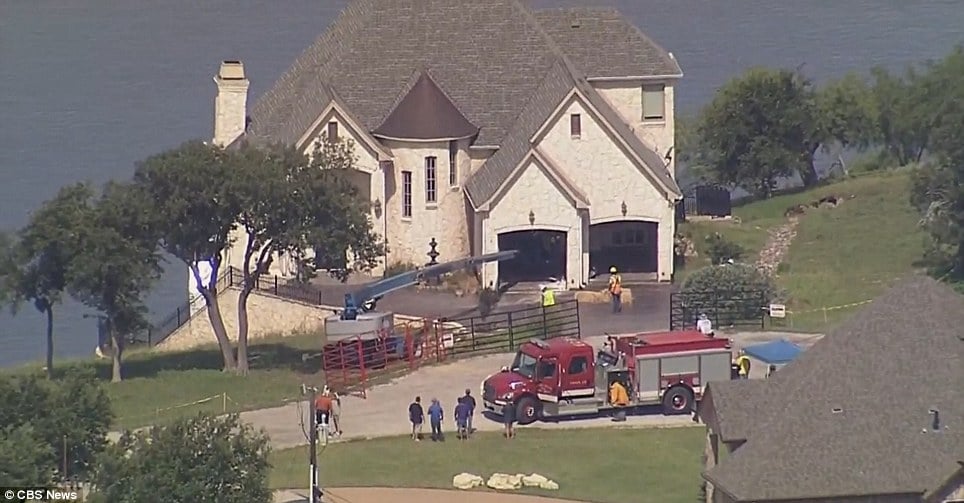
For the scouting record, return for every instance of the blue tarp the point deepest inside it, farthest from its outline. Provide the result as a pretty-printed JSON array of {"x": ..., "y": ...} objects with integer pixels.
[{"x": 776, "y": 352}]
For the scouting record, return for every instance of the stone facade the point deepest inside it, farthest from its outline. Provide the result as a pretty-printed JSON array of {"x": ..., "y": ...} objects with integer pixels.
[
  {"x": 267, "y": 315},
  {"x": 626, "y": 97}
]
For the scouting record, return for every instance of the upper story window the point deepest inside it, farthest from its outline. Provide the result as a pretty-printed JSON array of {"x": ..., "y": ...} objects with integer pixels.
[
  {"x": 332, "y": 132},
  {"x": 654, "y": 102},
  {"x": 406, "y": 194},
  {"x": 453, "y": 163},
  {"x": 431, "y": 180},
  {"x": 575, "y": 126}
]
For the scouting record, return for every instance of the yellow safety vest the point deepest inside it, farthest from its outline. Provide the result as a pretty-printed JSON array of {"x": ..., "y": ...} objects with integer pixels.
[
  {"x": 744, "y": 363},
  {"x": 548, "y": 298}
]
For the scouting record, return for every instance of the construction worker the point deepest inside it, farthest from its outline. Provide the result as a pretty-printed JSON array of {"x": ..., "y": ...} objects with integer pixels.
[
  {"x": 616, "y": 289},
  {"x": 743, "y": 364},
  {"x": 619, "y": 398},
  {"x": 323, "y": 410},
  {"x": 548, "y": 297},
  {"x": 704, "y": 325}
]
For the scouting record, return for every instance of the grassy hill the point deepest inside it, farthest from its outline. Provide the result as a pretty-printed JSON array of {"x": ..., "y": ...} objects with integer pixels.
[{"x": 840, "y": 257}]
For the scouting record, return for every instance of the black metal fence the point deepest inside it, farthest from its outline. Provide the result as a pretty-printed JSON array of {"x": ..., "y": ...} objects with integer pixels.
[
  {"x": 505, "y": 331},
  {"x": 706, "y": 200},
  {"x": 292, "y": 290},
  {"x": 735, "y": 308},
  {"x": 157, "y": 332}
]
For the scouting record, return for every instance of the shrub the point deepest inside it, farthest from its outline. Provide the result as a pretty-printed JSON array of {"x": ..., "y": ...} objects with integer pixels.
[
  {"x": 727, "y": 293},
  {"x": 722, "y": 250},
  {"x": 488, "y": 298},
  {"x": 397, "y": 268}
]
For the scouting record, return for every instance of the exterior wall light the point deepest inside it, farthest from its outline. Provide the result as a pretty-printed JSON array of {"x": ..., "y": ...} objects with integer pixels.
[{"x": 532, "y": 218}]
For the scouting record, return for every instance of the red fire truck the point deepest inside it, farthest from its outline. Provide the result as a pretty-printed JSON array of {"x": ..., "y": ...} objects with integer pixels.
[{"x": 566, "y": 377}]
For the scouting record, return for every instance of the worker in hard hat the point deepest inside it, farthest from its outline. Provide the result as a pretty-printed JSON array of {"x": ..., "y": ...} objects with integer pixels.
[
  {"x": 619, "y": 397},
  {"x": 616, "y": 289},
  {"x": 743, "y": 365},
  {"x": 548, "y": 297}
]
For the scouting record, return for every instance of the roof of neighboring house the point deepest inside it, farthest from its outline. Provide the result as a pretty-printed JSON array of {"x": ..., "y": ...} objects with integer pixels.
[
  {"x": 498, "y": 62},
  {"x": 425, "y": 113},
  {"x": 737, "y": 406},
  {"x": 851, "y": 415}
]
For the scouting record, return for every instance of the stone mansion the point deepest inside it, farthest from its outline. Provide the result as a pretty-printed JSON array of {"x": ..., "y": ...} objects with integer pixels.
[{"x": 487, "y": 125}]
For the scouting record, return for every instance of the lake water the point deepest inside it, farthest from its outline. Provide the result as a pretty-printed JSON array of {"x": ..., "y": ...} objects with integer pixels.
[{"x": 87, "y": 88}]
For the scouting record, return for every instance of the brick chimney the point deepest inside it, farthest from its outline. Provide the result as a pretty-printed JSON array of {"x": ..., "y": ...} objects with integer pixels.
[{"x": 231, "y": 103}]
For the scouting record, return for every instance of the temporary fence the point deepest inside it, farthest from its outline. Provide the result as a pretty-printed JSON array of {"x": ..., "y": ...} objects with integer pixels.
[{"x": 352, "y": 364}]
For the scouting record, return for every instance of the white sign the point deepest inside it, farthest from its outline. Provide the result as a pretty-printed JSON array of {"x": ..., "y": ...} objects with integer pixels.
[{"x": 778, "y": 311}]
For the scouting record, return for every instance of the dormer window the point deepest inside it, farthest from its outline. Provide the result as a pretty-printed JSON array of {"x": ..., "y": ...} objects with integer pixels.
[
  {"x": 332, "y": 132},
  {"x": 575, "y": 126},
  {"x": 654, "y": 102}
]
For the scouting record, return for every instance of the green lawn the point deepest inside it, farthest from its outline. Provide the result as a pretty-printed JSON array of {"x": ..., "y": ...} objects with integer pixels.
[
  {"x": 840, "y": 256},
  {"x": 597, "y": 465}
]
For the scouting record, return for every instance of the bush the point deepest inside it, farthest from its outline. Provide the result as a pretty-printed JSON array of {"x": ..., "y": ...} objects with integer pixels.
[
  {"x": 727, "y": 293},
  {"x": 722, "y": 250},
  {"x": 488, "y": 298},
  {"x": 69, "y": 417},
  {"x": 397, "y": 268},
  {"x": 204, "y": 458}
]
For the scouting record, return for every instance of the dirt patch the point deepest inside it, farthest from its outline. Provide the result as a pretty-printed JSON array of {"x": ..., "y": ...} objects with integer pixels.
[{"x": 406, "y": 495}]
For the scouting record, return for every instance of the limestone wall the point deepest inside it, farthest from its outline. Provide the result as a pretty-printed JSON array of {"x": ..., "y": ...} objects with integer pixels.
[{"x": 267, "y": 315}]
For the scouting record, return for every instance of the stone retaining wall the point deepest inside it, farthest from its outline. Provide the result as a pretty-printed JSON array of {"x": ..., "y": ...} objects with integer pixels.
[{"x": 267, "y": 315}]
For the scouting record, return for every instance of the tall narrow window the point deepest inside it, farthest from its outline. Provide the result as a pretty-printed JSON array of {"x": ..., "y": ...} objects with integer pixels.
[
  {"x": 332, "y": 132},
  {"x": 654, "y": 102},
  {"x": 575, "y": 125},
  {"x": 406, "y": 194},
  {"x": 431, "y": 181},
  {"x": 453, "y": 163}
]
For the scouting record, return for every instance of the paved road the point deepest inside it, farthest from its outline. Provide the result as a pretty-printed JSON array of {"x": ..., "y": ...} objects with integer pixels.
[
  {"x": 384, "y": 411},
  {"x": 406, "y": 495}
]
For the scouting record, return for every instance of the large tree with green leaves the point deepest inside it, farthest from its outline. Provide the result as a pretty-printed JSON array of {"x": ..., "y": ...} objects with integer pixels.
[
  {"x": 203, "y": 458},
  {"x": 191, "y": 195},
  {"x": 292, "y": 204},
  {"x": 39, "y": 259},
  {"x": 115, "y": 263},
  {"x": 938, "y": 186},
  {"x": 848, "y": 112},
  {"x": 759, "y": 128}
]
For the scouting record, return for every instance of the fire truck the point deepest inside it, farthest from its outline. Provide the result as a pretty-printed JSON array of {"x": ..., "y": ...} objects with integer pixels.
[{"x": 566, "y": 377}]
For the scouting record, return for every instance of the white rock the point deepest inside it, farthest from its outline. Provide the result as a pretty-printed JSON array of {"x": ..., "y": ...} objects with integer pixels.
[
  {"x": 504, "y": 482},
  {"x": 549, "y": 485},
  {"x": 466, "y": 481},
  {"x": 534, "y": 480}
]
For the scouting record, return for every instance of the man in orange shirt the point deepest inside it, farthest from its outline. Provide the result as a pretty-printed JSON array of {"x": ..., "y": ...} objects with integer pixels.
[{"x": 323, "y": 409}]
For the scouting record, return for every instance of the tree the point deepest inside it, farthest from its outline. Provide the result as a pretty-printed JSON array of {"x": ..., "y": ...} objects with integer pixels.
[
  {"x": 291, "y": 205},
  {"x": 196, "y": 210},
  {"x": 203, "y": 458},
  {"x": 51, "y": 428},
  {"x": 759, "y": 128},
  {"x": 39, "y": 259},
  {"x": 848, "y": 112},
  {"x": 938, "y": 187},
  {"x": 116, "y": 261}
]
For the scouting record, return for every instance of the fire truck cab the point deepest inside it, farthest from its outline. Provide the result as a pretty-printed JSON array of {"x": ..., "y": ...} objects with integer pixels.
[{"x": 568, "y": 377}]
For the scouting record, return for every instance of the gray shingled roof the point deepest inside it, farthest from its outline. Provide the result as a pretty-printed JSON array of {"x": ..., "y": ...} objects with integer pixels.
[
  {"x": 580, "y": 32},
  {"x": 738, "y": 405},
  {"x": 884, "y": 369},
  {"x": 368, "y": 55}
]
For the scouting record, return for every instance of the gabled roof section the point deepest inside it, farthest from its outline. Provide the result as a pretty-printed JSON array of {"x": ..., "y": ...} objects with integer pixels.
[
  {"x": 852, "y": 412},
  {"x": 604, "y": 44},
  {"x": 425, "y": 113}
]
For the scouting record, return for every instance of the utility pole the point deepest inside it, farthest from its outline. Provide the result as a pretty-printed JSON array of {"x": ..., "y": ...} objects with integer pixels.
[{"x": 314, "y": 488}]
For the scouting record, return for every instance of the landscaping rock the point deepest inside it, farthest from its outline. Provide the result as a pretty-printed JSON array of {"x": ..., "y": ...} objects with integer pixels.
[
  {"x": 777, "y": 246},
  {"x": 504, "y": 482},
  {"x": 534, "y": 480},
  {"x": 549, "y": 485},
  {"x": 602, "y": 296},
  {"x": 466, "y": 481}
]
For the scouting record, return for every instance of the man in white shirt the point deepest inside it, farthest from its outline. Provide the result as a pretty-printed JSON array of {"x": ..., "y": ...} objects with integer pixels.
[{"x": 704, "y": 325}]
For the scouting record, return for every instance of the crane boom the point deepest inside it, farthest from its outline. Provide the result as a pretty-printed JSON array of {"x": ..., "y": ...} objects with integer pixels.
[{"x": 363, "y": 300}]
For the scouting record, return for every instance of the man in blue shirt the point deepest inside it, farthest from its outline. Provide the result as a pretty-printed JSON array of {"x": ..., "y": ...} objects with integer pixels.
[
  {"x": 435, "y": 417},
  {"x": 462, "y": 412}
]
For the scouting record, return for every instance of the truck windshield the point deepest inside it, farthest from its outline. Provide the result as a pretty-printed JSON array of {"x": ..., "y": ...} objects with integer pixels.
[{"x": 525, "y": 365}]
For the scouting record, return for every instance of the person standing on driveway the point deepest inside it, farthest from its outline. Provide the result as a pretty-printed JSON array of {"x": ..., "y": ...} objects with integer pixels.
[
  {"x": 416, "y": 416},
  {"x": 616, "y": 289},
  {"x": 470, "y": 401},
  {"x": 435, "y": 416},
  {"x": 462, "y": 418},
  {"x": 508, "y": 417}
]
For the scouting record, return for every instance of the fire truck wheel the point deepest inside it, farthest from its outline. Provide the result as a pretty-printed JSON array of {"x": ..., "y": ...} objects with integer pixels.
[
  {"x": 677, "y": 400},
  {"x": 528, "y": 410}
]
